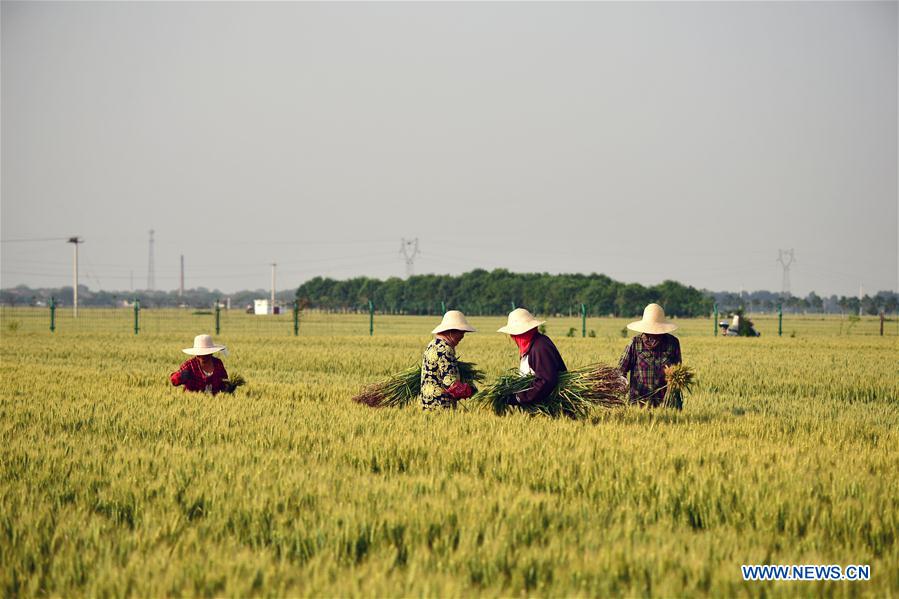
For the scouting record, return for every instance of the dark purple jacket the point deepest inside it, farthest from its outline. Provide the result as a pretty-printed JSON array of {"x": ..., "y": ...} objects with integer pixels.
[{"x": 546, "y": 362}]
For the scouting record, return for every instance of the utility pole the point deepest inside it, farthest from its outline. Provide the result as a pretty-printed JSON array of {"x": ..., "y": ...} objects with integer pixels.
[
  {"x": 786, "y": 258},
  {"x": 409, "y": 250},
  {"x": 273, "y": 286},
  {"x": 151, "y": 267},
  {"x": 861, "y": 294},
  {"x": 76, "y": 241},
  {"x": 181, "y": 288}
]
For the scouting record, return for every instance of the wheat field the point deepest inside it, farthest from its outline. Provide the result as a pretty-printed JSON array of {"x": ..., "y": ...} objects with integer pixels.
[{"x": 113, "y": 483}]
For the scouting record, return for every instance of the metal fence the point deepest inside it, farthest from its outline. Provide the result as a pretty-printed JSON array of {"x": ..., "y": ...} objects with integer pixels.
[
  {"x": 187, "y": 322},
  {"x": 136, "y": 320},
  {"x": 139, "y": 321}
]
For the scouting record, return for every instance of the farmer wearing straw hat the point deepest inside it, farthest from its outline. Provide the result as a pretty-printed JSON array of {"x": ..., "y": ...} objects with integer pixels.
[
  {"x": 648, "y": 354},
  {"x": 203, "y": 372},
  {"x": 441, "y": 386},
  {"x": 538, "y": 354}
]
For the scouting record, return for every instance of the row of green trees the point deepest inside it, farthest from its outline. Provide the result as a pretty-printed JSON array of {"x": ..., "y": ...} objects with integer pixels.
[
  {"x": 497, "y": 291},
  {"x": 767, "y": 301}
]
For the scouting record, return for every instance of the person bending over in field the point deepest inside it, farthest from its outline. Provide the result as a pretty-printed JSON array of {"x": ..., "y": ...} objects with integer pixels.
[
  {"x": 647, "y": 355},
  {"x": 538, "y": 354},
  {"x": 203, "y": 372},
  {"x": 441, "y": 386}
]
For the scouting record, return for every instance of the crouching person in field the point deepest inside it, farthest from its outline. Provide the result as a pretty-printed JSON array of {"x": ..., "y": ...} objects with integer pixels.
[
  {"x": 203, "y": 372},
  {"x": 538, "y": 356},
  {"x": 648, "y": 354},
  {"x": 441, "y": 386}
]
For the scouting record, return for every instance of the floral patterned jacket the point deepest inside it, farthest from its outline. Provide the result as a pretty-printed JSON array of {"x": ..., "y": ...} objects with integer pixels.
[{"x": 439, "y": 370}]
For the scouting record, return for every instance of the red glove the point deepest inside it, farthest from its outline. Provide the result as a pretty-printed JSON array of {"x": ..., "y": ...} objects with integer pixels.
[{"x": 460, "y": 390}]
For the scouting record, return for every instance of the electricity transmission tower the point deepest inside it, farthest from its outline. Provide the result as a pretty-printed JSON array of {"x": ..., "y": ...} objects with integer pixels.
[
  {"x": 409, "y": 250},
  {"x": 151, "y": 267},
  {"x": 786, "y": 258}
]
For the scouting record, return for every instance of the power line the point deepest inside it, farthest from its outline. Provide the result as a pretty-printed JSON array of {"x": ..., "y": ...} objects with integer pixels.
[
  {"x": 90, "y": 272},
  {"x": 36, "y": 239},
  {"x": 60, "y": 275},
  {"x": 211, "y": 268}
]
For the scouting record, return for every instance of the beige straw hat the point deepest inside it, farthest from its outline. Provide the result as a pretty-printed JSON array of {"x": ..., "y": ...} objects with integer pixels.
[
  {"x": 203, "y": 346},
  {"x": 454, "y": 321},
  {"x": 653, "y": 321},
  {"x": 520, "y": 321}
]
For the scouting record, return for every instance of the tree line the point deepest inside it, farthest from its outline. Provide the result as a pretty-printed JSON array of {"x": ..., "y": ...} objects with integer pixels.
[
  {"x": 767, "y": 301},
  {"x": 498, "y": 291}
]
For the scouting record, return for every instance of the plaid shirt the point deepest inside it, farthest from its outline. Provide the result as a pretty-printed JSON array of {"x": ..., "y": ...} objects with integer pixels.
[
  {"x": 647, "y": 367},
  {"x": 196, "y": 379}
]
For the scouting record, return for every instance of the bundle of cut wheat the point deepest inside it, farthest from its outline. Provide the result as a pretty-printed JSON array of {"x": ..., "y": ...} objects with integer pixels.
[
  {"x": 575, "y": 396},
  {"x": 679, "y": 380},
  {"x": 403, "y": 387},
  {"x": 233, "y": 382}
]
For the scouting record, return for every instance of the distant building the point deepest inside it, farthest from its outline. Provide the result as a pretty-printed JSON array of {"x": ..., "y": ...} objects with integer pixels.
[{"x": 261, "y": 306}]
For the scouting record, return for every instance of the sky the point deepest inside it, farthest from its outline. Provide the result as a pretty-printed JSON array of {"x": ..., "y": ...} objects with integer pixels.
[{"x": 647, "y": 141}]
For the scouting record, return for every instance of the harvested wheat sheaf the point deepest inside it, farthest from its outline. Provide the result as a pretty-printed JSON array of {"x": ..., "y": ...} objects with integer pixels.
[
  {"x": 576, "y": 395},
  {"x": 403, "y": 387}
]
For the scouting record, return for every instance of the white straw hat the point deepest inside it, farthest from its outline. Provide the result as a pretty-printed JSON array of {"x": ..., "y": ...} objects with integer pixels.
[
  {"x": 454, "y": 321},
  {"x": 653, "y": 321},
  {"x": 203, "y": 346},
  {"x": 520, "y": 321}
]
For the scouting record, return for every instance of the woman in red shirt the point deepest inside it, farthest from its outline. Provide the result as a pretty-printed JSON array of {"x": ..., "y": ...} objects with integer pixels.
[{"x": 203, "y": 372}]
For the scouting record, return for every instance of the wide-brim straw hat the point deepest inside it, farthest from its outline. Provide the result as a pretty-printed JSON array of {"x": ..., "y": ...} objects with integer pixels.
[
  {"x": 520, "y": 321},
  {"x": 203, "y": 346},
  {"x": 454, "y": 321},
  {"x": 653, "y": 321}
]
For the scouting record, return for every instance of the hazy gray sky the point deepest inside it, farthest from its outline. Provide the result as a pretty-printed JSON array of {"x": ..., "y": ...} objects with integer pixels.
[{"x": 645, "y": 141}]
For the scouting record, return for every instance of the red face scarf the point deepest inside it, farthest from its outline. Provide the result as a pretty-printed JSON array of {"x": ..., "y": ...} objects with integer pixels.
[{"x": 524, "y": 341}]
